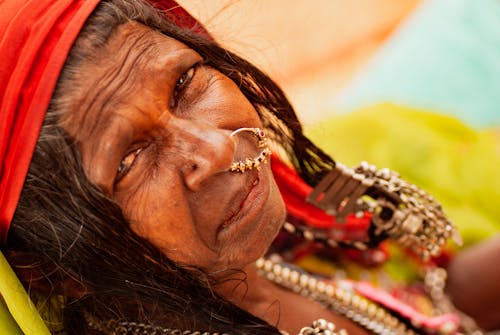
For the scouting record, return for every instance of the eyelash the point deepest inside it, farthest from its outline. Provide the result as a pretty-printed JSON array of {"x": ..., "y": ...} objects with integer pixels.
[
  {"x": 183, "y": 82},
  {"x": 123, "y": 169},
  {"x": 181, "y": 85}
]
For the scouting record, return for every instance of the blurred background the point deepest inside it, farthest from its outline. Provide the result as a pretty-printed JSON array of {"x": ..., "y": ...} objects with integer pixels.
[{"x": 413, "y": 85}]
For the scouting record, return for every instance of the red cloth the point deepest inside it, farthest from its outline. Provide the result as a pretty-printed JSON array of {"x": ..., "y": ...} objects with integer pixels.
[
  {"x": 35, "y": 38},
  {"x": 295, "y": 191},
  {"x": 180, "y": 16}
]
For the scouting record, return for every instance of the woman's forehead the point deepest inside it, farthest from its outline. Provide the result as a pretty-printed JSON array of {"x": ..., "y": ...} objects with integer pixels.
[
  {"x": 135, "y": 59},
  {"x": 136, "y": 37}
]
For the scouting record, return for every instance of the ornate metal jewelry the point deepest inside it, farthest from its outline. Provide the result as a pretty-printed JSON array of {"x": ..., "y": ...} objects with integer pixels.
[
  {"x": 353, "y": 306},
  {"x": 252, "y": 163},
  {"x": 435, "y": 282},
  {"x": 321, "y": 327},
  {"x": 114, "y": 327},
  {"x": 400, "y": 210}
]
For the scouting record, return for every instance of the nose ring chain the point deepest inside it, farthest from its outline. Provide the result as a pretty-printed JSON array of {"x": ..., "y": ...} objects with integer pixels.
[{"x": 252, "y": 163}]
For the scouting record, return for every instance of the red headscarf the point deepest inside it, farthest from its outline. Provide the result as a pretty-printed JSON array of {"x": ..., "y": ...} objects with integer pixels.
[{"x": 35, "y": 39}]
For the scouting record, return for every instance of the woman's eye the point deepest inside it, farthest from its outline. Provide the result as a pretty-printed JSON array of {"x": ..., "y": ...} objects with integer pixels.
[
  {"x": 184, "y": 81},
  {"x": 126, "y": 164}
]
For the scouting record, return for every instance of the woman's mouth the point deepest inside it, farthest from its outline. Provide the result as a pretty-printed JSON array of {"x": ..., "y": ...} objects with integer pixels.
[{"x": 245, "y": 205}]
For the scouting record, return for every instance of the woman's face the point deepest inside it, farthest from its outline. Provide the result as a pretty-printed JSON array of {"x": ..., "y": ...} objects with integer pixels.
[{"x": 153, "y": 124}]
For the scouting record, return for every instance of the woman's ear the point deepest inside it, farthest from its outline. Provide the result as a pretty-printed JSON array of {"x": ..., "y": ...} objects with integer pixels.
[{"x": 45, "y": 278}]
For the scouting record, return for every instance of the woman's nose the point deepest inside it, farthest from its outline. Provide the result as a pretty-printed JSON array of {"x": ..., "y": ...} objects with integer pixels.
[{"x": 206, "y": 150}]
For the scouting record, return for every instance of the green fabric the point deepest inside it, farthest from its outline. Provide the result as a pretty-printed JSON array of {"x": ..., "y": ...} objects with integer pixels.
[
  {"x": 19, "y": 304},
  {"x": 455, "y": 163}
]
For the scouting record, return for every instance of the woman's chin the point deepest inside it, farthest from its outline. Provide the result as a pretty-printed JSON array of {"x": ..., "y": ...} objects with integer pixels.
[{"x": 255, "y": 245}]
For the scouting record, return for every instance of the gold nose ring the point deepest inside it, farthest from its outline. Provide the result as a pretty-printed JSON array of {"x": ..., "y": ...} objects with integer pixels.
[{"x": 252, "y": 163}]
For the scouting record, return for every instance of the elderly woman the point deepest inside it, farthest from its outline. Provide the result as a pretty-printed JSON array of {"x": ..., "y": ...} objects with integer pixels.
[{"x": 136, "y": 186}]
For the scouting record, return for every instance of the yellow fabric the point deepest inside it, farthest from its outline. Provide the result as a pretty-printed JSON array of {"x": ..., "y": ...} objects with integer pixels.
[
  {"x": 18, "y": 304},
  {"x": 7, "y": 324}
]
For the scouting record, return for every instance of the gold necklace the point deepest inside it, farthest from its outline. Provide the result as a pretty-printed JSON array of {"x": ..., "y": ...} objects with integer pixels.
[{"x": 347, "y": 303}]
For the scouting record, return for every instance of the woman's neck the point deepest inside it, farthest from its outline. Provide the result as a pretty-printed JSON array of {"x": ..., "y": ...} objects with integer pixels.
[
  {"x": 253, "y": 293},
  {"x": 279, "y": 307}
]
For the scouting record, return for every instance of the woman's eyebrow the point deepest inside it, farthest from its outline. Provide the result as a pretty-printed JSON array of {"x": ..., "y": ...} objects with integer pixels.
[{"x": 177, "y": 60}]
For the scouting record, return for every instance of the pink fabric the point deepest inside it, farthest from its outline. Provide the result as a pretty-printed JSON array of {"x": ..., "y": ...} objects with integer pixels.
[{"x": 448, "y": 322}]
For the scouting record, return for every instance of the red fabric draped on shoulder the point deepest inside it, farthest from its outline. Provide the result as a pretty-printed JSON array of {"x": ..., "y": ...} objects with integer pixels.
[
  {"x": 295, "y": 191},
  {"x": 35, "y": 39}
]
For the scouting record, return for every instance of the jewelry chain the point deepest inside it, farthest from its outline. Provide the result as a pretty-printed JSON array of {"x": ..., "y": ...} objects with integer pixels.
[
  {"x": 400, "y": 210},
  {"x": 115, "y": 327},
  {"x": 351, "y": 305}
]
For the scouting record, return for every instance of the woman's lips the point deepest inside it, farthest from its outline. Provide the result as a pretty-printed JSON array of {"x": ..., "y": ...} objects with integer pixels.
[{"x": 241, "y": 206}]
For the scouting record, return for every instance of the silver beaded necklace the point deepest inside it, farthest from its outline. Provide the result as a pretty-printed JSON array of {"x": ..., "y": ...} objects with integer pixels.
[
  {"x": 353, "y": 306},
  {"x": 115, "y": 327}
]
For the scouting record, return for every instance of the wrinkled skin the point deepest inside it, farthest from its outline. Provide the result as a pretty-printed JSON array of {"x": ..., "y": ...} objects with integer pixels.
[{"x": 153, "y": 125}]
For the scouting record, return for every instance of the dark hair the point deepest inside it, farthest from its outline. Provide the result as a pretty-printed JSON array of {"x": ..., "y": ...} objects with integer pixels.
[{"x": 65, "y": 228}]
